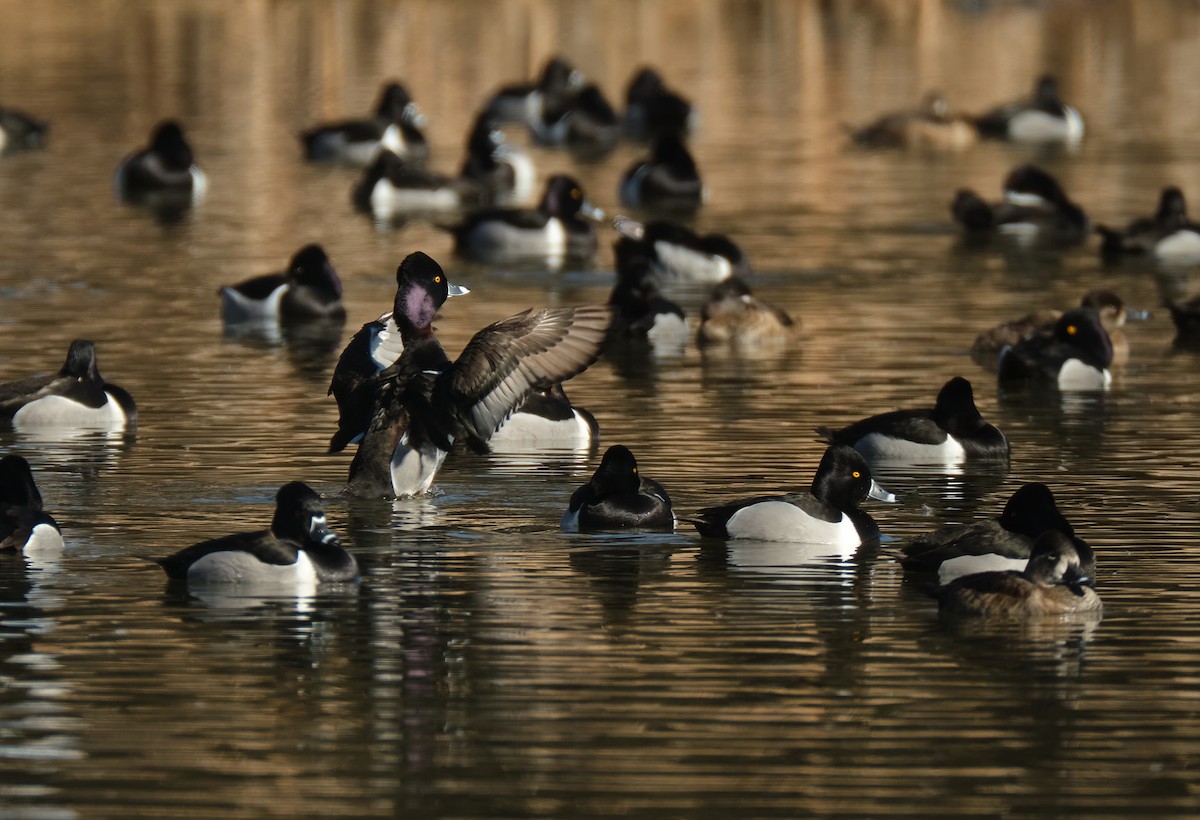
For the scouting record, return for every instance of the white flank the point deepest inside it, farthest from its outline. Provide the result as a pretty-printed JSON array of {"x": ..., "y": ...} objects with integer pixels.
[
  {"x": 780, "y": 521},
  {"x": 237, "y": 307},
  {"x": 689, "y": 265},
  {"x": 233, "y": 567},
  {"x": 1075, "y": 375},
  {"x": 972, "y": 564},
  {"x": 56, "y": 411},
  {"x": 1181, "y": 246},
  {"x": 413, "y": 471},
  {"x": 880, "y": 447}
]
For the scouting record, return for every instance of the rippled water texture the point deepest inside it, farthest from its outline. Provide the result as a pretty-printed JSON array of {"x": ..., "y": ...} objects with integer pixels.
[{"x": 489, "y": 665}]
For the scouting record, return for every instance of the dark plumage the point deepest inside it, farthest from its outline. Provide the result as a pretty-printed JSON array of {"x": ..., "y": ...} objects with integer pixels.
[
  {"x": 1053, "y": 583},
  {"x": 19, "y": 131},
  {"x": 961, "y": 549},
  {"x": 652, "y": 109},
  {"x": 642, "y": 311},
  {"x": 1167, "y": 235},
  {"x": 828, "y": 513},
  {"x": 676, "y": 252},
  {"x": 165, "y": 169},
  {"x": 951, "y": 431},
  {"x": 561, "y": 227},
  {"x": 1044, "y": 117},
  {"x": 299, "y": 549},
  {"x": 424, "y": 402},
  {"x": 524, "y": 102},
  {"x": 667, "y": 180},
  {"x": 76, "y": 395},
  {"x": 618, "y": 497},
  {"x": 308, "y": 289},
  {"x": 1034, "y": 203},
  {"x": 395, "y": 125},
  {"x": 24, "y": 525},
  {"x": 586, "y": 124},
  {"x": 502, "y": 171},
  {"x": 1075, "y": 356},
  {"x": 392, "y": 187}
]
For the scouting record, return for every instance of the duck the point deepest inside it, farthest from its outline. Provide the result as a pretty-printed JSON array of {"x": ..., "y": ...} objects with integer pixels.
[
  {"x": 20, "y": 131},
  {"x": 643, "y": 313},
  {"x": 932, "y": 126},
  {"x": 667, "y": 180},
  {"x": 827, "y": 514},
  {"x": 651, "y": 108},
  {"x": 396, "y": 125},
  {"x": 309, "y": 289},
  {"x": 585, "y": 124},
  {"x": 1075, "y": 356},
  {"x": 24, "y": 525},
  {"x": 524, "y": 102},
  {"x": 502, "y": 171},
  {"x": 166, "y": 168},
  {"x": 1001, "y": 543},
  {"x": 556, "y": 230},
  {"x": 423, "y": 402},
  {"x": 1168, "y": 235},
  {"x": 298, "y": 550},
  {"x": 734, "y": 316},
  {"x": 618, "y": 497},
  {"x": 1113, "y": 311},
  {"x": 1054, "y": 582},
  {"x": 391, "y": 188},
  {"x": 1186, "y": 317},
  {"x": 546, "y": 418},
  {"x": 1042, "y": 118},
  {"x": 952, "y": 432},
  {"x": 677, "y": 253},
  {"x": 1034, "y": 205},
  {"x": 76, "y": 396}
]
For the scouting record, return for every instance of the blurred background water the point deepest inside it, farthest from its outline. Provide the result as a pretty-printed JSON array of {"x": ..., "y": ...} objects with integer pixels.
[{"x": 490, "y": 665}]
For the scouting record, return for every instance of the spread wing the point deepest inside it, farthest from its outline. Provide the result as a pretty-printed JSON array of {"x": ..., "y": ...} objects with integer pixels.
[{"x": 507, "y": 360}]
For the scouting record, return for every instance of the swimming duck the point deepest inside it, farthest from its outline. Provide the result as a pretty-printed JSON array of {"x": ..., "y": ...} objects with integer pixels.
[
  {"x": 1075, "y": 356},
  {"x": 166, "y": 168},
  {"x": 1042, "y": 118},
  {"x": 651, "y": 108},
  {"x": 827, "y": 514},
  {"x": 667, "y": 180},
  {"x": 1168, "y": 235},
  {"x": 503, "y": 171},
  {"x": 19, "y": 131},
  {"x": 308, "y": 289},
  {"x": 1001, "y": 543},
  {"x": 424, "y": 402},
  {"x": 676, "y": 252},
  {"x": 396, "y": 126},
  {"x": 1113, "y": 314},
  {"x": 618, "y": 497},
  {"x": 391, "y": 187},
  {"x": 1053, "y": 583},
  {"x": 932, "y": 126},
  {"x": 734, "y": 316},
  {"x": 556, "y": 230},
  {"x": 642, "y": 311},
  {"x": 24, "y": 525},
  {"x": 547, "y": 417},
  {"x": 1034, "y": 204},
  {"x": 951, "y": 432},
  {"x": 76, "y": 396},
  {"x": 585, "y": 124},
  {"x": 524, "y": 102},
  {"x": 298, "y": 551}
]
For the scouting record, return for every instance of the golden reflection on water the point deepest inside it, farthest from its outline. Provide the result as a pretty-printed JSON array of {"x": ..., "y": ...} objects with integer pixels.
[{"x": 490, "y": 665}]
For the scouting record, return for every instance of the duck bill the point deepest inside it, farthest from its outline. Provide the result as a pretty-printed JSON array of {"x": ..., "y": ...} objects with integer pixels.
[
  {"x": 880, "y": 494},
  {"x": 456, "y": 290},
  {"x": 590, "y": 211},
  {"x": 1135, "y": 315},
  {"x": 319, "y": 531}
]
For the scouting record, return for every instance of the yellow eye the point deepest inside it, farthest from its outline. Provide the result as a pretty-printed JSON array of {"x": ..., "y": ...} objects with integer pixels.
[
  {"x": 576, "y": 193},
  {"x": 856, "y": 474},
  {"x": 1072, "y": 330},
  {"x": 635, "y": 469},
  {"x": 437, "y": 280}
]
